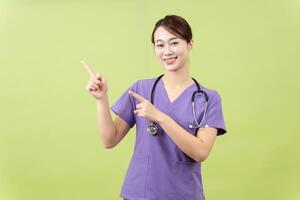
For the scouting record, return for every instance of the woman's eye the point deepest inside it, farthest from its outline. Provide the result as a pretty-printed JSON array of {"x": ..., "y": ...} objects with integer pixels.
[
  {"x": 174, "y": 43},
  {"x": 159, "y": 45}
]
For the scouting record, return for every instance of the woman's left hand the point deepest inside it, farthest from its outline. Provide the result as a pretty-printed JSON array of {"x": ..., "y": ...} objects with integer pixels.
[{"x": 146, "y": 109}]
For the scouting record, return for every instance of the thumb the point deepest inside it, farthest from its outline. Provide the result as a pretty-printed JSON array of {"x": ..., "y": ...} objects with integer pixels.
[{"x": 98, "y": 76}]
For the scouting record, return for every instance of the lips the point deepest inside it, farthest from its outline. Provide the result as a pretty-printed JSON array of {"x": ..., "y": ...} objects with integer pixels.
[
  {"x": 170, "y": 61},
  {"x": 165, "y": 59}
]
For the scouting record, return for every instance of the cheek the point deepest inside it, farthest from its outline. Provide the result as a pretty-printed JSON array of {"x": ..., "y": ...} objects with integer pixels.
[
  {"x": 182, "y": 53},
  {"x": 158, "y": 54},
  {"x": 179, "y": 51}
]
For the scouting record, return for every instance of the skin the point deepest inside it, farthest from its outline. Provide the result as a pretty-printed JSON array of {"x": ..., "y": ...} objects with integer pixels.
[
  {"x": 175, "y": 80},
  {"x": 177, "y": 74}
]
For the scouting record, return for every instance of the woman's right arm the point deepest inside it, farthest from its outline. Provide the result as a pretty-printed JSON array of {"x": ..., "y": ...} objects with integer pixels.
[{"x": 111, "y": 132}]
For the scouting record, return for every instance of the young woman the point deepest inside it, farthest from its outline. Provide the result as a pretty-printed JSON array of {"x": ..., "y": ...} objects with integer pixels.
[{"x": 177, "y": 121}]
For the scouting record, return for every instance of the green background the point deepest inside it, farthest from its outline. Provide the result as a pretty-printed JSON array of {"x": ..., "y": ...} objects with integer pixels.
[{"x": 49, "y": 142}]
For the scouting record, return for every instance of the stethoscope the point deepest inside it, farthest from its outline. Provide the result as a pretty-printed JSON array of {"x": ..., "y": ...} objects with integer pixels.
[{"x": 152, "y": 128}]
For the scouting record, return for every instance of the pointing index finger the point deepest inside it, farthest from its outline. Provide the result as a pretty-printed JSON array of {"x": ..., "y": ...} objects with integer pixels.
[
  {"x": 137, "y": 96},
  {"x": 88, "y": 68}
]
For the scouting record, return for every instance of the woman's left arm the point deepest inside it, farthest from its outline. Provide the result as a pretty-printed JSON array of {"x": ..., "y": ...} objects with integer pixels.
[{"x": 198, "y": 147}]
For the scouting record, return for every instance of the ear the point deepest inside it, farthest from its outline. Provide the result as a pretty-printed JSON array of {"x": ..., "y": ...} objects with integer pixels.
[{"x": 190, "y": 45}]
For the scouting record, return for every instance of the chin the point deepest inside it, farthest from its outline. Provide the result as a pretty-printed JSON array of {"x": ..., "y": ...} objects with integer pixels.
[{"x": 171, "y": 67}]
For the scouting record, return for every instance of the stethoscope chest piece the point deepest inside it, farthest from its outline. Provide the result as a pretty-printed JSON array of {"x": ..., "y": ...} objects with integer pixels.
[{"x": 152, "y": 128}]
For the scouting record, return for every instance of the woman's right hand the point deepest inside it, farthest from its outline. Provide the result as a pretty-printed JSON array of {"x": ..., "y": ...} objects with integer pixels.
[{"x": 97, "y": 85}]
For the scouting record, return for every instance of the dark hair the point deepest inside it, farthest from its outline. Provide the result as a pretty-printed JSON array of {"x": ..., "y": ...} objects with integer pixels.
[{"x": 175, "y": 25}]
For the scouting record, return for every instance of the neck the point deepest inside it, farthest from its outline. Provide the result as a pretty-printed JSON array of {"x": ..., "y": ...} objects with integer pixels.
[{"x": 177, "y": 79}]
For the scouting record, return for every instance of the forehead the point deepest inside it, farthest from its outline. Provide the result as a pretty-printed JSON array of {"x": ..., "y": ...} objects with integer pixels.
[{"x": 163, "y": 34}]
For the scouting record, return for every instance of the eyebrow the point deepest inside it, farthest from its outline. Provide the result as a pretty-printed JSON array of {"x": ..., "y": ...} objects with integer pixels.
[{"x": 169, "y": 39}]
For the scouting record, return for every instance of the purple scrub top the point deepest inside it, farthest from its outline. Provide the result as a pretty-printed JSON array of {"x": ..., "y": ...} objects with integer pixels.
[{"x": 158, "y": 169}]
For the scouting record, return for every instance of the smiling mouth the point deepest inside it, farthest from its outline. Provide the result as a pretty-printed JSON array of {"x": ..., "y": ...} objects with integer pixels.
[
  {"x": 171, "y": 58},
  {"x": 170, "y": 61}
]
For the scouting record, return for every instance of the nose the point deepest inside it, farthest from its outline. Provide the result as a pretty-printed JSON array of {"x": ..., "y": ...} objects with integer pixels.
[{"x": 167, "y": 51}]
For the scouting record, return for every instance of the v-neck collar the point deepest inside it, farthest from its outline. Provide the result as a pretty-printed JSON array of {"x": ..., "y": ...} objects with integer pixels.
[{"x": 178, "y": 97}]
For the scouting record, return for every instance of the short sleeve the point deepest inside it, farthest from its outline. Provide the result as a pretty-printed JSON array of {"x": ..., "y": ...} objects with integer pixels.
[
  {"x": 214, "y": 114},
  {"x": 124, "y": 106}
]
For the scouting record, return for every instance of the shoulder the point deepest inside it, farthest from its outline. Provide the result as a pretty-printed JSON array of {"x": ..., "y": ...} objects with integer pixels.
[
  {"x": 144, "y": 87},
  {"x": 144, "y": 83},
  {"x": 213, "y": 94}
]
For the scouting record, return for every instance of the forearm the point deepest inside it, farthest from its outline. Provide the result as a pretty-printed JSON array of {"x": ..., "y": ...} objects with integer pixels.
[
  {"x": 189, "y": 144},
  {"x": 105, "y": 122}
]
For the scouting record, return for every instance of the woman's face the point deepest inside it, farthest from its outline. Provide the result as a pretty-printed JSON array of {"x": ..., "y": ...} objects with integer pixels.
[{"x": 171, "y": 51}]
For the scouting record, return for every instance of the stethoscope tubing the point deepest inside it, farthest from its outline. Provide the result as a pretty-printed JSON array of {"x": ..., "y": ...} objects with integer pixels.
[{"x": 152, "y": 128}]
